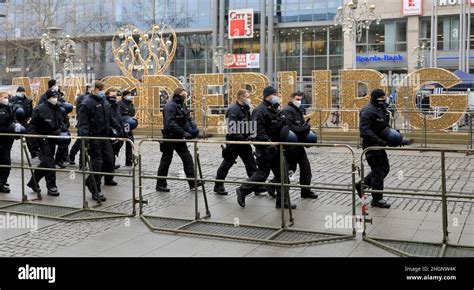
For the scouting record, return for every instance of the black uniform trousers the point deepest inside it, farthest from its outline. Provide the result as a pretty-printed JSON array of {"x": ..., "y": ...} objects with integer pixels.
[
  {"x": 380, "y": 167},
  {"x": 47, "y": 149},
  {"x": 266, "y": 162},
  {"x": 128, "y": 149},
  {"x": 102, "y": 160},
  {"x": 297, "y": 156},
  {"x": 245, "y": 153},
  {"x": 5, "y": 158},
  {"x": 167, "y": 149},
  {"x": 61, "y": 154}
]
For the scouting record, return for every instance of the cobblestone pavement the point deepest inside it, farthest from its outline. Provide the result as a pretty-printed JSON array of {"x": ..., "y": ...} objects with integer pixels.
[{"x": 417, "y": 219}]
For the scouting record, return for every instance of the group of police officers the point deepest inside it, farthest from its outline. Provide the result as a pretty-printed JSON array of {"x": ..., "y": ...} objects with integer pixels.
[
  {"x": 272, "y": 125},
  {"x": 100, "y": 114}
]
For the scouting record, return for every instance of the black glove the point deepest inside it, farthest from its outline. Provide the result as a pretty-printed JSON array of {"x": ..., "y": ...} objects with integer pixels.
[
  {"x": 187, "y": 136},
  {"x": 306, "y": 129},
  {"x": 382, "y": 143}
]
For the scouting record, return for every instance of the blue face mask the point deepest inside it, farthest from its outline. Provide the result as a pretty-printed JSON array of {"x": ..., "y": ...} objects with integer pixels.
[
  {"x": 101, "y": 94},
  {"x": 20, "y": 95},
  {"x": 275, "y": 100}
]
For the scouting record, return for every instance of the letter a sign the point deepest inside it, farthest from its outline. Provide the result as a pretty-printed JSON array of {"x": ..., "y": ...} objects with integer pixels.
[
  {"x": 240, "y": 23},
  {"x": 412, "y": 7}
]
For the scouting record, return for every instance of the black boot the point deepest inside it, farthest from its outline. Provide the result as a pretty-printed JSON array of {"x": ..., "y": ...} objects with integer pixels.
[
  {"x": 220, "y": 189},
  {"x": 271, "y": 191},
  {"x": 4, "y": 188},
  {"x": 309, "y": 194},
  {"x": 53, "y": 191},
  {"x": 111, "y": 183},
  {"x": 34, "y": 186},
  {"x": 382, "y": 203},
  {"x": 240, "y": 197},
  {"x": 161, "y": 188},
  {"x": 358, "y": 187}
]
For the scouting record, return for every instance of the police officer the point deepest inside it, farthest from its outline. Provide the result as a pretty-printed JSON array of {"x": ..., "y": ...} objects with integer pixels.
[
  {"x": 374, "y": 118},
  {"x": 47, "y": 119},
  {"x": 20, "y": 100},
  {"x": 176, "y": 118},
  {"x": 76, "y": 147},
  {"x": 6, "y": 119},
  {"x": 62, "y": 152},
  {"x": 269, "y": 125},
  {"x": 293, "y": 117},
  {"x": 237, "y": 115},
  {"x": 127, "y": 109},
  {"x": 96, "y": 120},
  {"x": 111, "y": 97}
]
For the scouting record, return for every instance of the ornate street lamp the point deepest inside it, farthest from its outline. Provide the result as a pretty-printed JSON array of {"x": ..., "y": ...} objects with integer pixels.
[
  {"x": 56, "y": 45},
  {"x": 73, "y": 63},
  {"x": 420, "y": 53},
  {"x": 218, "y": 58},
  {"x": 354, "y": 17}
]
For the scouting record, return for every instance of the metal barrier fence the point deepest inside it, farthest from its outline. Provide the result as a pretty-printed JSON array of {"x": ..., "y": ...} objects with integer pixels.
[
  {"x": 37, "y": 208},
  {"x": 332, "y": 128},
  {"x": 282, "y": 235},
  {"x": 405, "y": 245}
]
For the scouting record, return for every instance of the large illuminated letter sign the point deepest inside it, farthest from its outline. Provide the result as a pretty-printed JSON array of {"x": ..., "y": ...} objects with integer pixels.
[{"x": 455, "y": 104}]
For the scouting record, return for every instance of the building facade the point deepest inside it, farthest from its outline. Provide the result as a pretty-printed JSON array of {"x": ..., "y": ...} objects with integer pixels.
[{"x": 299, "y": 36}]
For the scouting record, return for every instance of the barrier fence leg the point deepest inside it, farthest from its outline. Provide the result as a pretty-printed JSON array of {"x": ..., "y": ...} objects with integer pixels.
[
  {"x": 140, "y": 185},
  {"x": 282, "y": 189},
  {"x": 443, "y": 198},
  {"x": 208, "y": 212},
  {"x": 134, "y": 195},
  {"x": 196, "y": 208},
  {"x": 354, "y": 220},
  {"x": 23, "y": 195},
  {"x": 94, "y": 184},
  {"x": 85, "y": 204},
  {"x": 25, "y": 151}
]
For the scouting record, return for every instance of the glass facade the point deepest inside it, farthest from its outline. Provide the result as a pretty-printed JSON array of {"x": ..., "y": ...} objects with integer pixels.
[
  {"x": 306, "y": 10},
  {"x": 388, "y": 36}
]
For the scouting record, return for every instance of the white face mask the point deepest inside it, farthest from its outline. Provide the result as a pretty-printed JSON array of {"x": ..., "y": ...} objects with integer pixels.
[
  {"x": 55, "y": 88},
  {"x": 248, "y": 102},
  {"x": 129, "y": 98},
  {"x": 53, "y": 101},
  {"x": 297, "y": 103},
  {"x": 4, "y": 101}
]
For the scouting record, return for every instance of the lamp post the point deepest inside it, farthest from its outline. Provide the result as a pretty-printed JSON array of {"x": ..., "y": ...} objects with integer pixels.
[
  {"x": 6, "y": 39},
  {"x": 354, "y": 17},
  {"x": 56, "y": 45}
]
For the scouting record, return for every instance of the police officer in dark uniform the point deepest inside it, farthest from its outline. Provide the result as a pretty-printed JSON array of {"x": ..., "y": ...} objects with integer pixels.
[
  {"x": 127, "y": 109},
  {"x": 20, "y": 100},
  {"x": 269, "y": 126},
  {"x": 6, "y": 119},
  {"x": 76, "y": 147},
  {"x": 111, "y": 96},
  {"x": 95, "y": 120},
  {"x": 47, "y": 119},
  {"x": 176, "y": 118},
  {"x": 374, "y": 118},
  {"x": 293, "y": 117},
  {"x": 237, "y": 114}
]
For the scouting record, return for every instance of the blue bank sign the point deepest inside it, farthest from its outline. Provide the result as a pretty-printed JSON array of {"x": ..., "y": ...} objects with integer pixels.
[{"x": 379, "y": 58}]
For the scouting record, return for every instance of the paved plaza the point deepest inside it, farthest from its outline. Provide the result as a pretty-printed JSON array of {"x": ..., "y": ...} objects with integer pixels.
[{"x": 416, "y": 219}]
